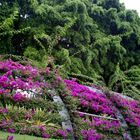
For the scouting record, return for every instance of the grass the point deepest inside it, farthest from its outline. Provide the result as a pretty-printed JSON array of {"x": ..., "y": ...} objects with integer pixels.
[{"x": 3, "y": 136}]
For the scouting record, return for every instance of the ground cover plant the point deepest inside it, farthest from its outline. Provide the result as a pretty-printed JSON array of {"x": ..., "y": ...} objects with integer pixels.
[
  {"x": 131, "y": 112},
  {"x": 95, "y": 41},
  {"x": 100, "y": 104},
  {"x": 94, "y": 103},
  {"x": 26, "y": 106}
]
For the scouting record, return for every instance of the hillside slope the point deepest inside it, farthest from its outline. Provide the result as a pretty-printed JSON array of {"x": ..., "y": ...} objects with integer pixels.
[{"x": 27, "y": 106}]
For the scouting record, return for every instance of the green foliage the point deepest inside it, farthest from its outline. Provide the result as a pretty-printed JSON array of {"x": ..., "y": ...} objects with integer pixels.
[
  {"x": 85, "y": 37},
  {"x": 127, "y": 82},
  {"x": 110, "y": 52},
  {"x": 86, "y": 80},
  {"x": 31, "y": 53}
]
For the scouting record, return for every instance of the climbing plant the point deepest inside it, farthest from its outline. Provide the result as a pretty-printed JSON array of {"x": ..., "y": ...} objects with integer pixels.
[{"x": 86, "y": 37}]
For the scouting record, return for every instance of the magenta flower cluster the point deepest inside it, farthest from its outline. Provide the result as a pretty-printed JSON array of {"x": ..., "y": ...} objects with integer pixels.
[
  {"x": 129, "y": 108},
  {"x": 11, "y": 80},
  {"x": 18, "y": 97},
  {"x": 3, "y": 110},
  {"x": 16, "y": 81},
  {"x": 94, "y": 103},
  {"x": 105, "y": 125},
  {"x": 10, "y": 65},
  {"x": 7, "y": 124},
  {"x": 90, "y": 134}
]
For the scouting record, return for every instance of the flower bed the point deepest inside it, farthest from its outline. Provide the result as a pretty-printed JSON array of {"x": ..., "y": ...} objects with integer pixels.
[
  {"x": 131, "y": 112},
  {"x": 94, "y": 103},
  {"x": 26, "y": 106}
]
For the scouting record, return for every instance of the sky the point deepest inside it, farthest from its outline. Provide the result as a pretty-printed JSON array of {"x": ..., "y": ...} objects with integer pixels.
[{"x": 132, "y": 4}]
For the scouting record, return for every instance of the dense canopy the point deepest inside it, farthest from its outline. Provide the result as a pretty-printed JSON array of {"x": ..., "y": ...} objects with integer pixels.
[{"x": 96, "y": 38}]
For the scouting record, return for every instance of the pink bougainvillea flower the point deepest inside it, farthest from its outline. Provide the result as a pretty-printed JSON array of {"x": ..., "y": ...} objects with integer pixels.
[
  {"x": 11, "y": 130},
  {"x": 10, "y": 137},
  {"x": 17, "y": 97},
  {"x": 45, "y": 135},
  {"x": 61, "y": 133}
]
